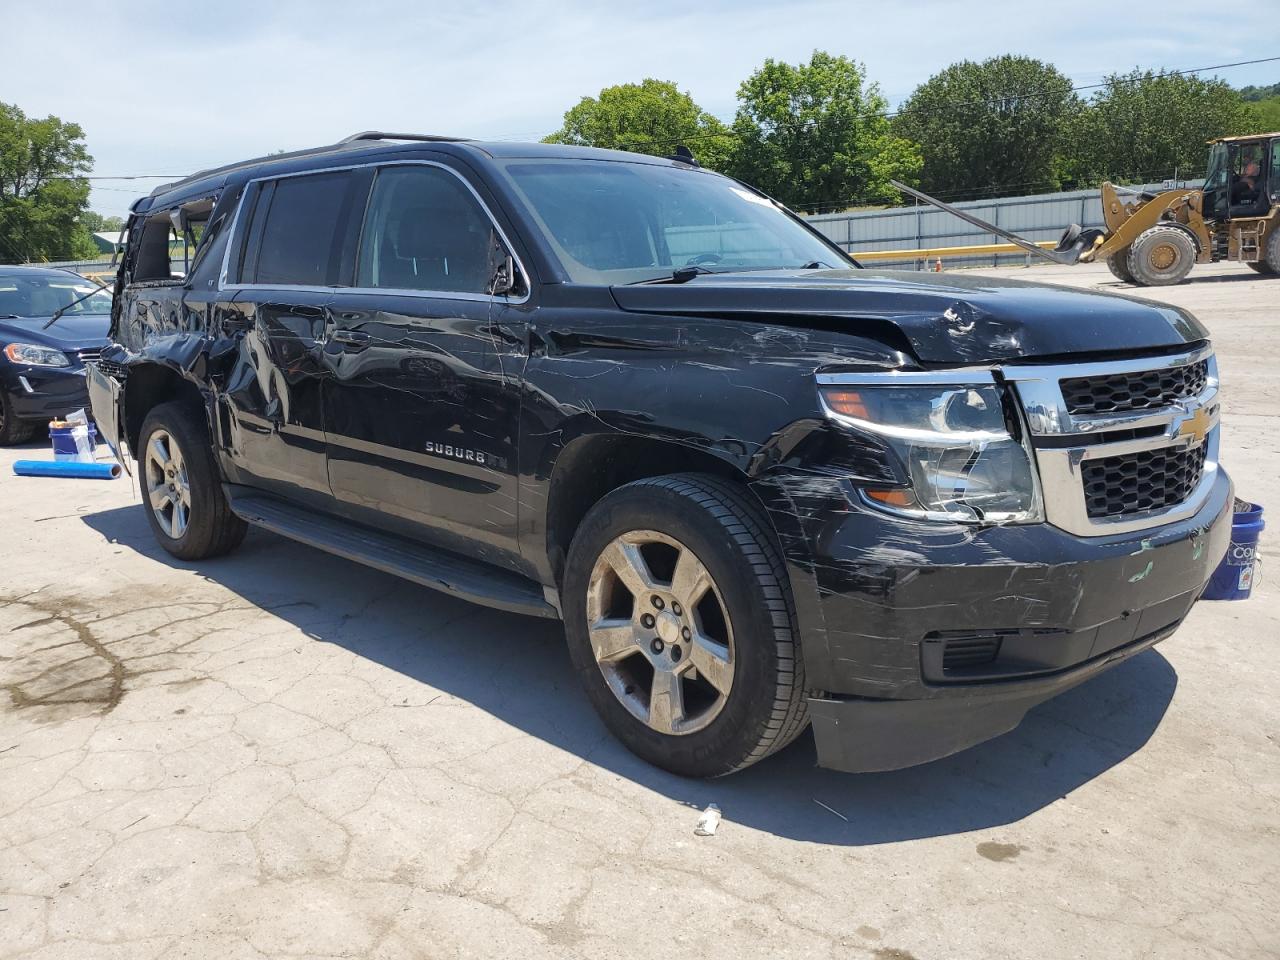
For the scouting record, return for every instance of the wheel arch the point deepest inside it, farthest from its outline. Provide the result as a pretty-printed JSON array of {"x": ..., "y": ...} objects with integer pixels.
[
  {"x": 149, "y": 384},
  {"x": 593, "y": 465}
]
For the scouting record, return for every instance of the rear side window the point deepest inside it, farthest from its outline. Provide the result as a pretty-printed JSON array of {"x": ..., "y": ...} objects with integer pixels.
[
  {"x": 299, "y": 239},
  {"x": 424, "y": 230}
]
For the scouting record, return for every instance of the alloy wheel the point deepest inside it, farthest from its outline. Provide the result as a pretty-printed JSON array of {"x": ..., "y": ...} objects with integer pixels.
[
  {"x": 660, "y": 632},
  {"x": 168, "y": 489}
]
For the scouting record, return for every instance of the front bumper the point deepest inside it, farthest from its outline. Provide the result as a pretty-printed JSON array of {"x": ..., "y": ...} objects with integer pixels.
[
  {"x": 924, "y": 640},
  {"x": 45, "y": 393}
]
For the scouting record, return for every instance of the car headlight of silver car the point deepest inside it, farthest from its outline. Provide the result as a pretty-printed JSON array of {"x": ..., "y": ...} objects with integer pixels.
[
  {"x": 961, "y": 445},
  {"x": 34, "y": 355}
]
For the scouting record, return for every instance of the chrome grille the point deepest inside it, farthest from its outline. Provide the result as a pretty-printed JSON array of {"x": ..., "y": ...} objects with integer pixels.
[
  {"x": 1123, "y": 445},
  {"x": 1140, "y": 390},
  {"x": 1141, "y": 482},
  {"x": 88, "y": 356}
]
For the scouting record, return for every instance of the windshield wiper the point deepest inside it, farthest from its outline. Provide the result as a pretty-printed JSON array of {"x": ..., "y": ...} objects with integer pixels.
[
  {"x": 817, "y": 265},
  {"x": 63, "y": 309},
  {"x": 682, "y": 274},
  {"x": 9, "y": 316}
]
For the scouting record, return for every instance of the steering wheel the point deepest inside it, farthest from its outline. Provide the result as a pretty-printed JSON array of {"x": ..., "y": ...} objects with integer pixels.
[{"x": 703, "y": 258}]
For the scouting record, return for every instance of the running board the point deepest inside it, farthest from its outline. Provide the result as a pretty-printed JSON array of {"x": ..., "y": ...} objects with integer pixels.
[{"x": 447, "y": 572}]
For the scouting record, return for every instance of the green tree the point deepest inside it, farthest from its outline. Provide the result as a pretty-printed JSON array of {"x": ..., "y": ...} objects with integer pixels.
[
  {"x": 1265, "y": 113},
  {"x": 989, "y": 128},
  {"x": 815, "y": 135},
  {"x": 1144, "y": 125},
  {"x": 95, "y": 222},
  {"x": 43, "y": 193},
  {"x": 653, "y": 116}
]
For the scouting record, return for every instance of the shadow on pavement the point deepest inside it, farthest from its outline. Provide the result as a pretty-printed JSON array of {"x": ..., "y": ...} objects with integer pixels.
[{"x": 518, "y": 669}]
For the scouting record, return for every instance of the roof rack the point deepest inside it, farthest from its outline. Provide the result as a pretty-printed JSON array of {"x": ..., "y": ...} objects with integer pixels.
[
  {"x": 344, "y": 143},
  {"x": 379, "y": 135}
]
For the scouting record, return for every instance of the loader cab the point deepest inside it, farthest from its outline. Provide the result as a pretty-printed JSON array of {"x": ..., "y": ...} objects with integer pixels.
[{"x": 1243, "y": 179}]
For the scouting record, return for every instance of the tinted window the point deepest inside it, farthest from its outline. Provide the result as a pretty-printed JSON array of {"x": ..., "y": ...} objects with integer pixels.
[
  {"x": 425, "y": 231},
  {"x": 302, "y": 222}
]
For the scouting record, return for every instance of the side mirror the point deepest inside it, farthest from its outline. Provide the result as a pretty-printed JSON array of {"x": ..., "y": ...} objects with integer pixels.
[{"x": 506, "y": 280}]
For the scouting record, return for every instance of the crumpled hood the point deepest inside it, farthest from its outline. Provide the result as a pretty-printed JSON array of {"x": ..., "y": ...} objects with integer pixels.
[
  {"x": 69, "y": 333},
  {"x": 946, "y": 318}
]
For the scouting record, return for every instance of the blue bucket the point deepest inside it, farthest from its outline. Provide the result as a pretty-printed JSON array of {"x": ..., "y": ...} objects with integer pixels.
[
  {"x": 1234, "y": 578},
  {"x": 64, "y": 441}
]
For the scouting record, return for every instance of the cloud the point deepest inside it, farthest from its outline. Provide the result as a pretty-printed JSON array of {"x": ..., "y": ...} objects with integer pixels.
[{"x": 163, "y": 90}]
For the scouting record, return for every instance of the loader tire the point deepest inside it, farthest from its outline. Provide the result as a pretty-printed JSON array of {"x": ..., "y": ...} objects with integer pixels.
[
  {"x": 1119, "y": 266},
  {"x": 1262, "y": 267},
  {"x": 1272, "y": 258},
  {"x": 1161, "y": 256}
]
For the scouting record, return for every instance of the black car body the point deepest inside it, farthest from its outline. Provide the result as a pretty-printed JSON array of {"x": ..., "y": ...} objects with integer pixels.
[
  {"x": 42, "y": 366},
  {"x": 931, "y": 607}
]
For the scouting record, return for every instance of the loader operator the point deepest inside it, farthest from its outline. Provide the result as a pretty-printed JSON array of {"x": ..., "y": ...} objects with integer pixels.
[{"x": 1244, "y": 192}]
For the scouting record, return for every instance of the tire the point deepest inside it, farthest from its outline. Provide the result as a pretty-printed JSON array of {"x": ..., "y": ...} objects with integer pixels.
[
  {"x": 1119, "y": 266},
  {"x": 755, "y": 704},
  {"x": 1262, "y": 267},
  {"x": 209, "y": 528},
  {"x": 12, "y": 429},
  {"x": 1271, "y": 261},
  {"x": 1161, "y": 256}
]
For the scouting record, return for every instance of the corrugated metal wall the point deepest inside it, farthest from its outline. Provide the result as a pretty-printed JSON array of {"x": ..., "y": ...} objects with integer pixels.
[{"x": 1042, "y": 217}]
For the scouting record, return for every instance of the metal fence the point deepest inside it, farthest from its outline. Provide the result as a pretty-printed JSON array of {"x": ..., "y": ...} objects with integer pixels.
[{"x": 1041, "y": 217}]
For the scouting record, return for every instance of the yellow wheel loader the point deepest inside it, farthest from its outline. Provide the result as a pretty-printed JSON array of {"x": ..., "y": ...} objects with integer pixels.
[{"x": 1152, "y": 239}]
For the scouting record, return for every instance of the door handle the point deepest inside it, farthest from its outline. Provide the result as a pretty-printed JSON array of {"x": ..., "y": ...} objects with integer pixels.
[{"x": 350, "y": 339}]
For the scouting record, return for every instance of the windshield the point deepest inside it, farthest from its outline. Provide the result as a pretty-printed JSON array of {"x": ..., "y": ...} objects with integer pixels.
[
  {"x": 1216, "y": 175},
  {"x": 40, "y": 296},
  {"x": 616, "y": 222}
]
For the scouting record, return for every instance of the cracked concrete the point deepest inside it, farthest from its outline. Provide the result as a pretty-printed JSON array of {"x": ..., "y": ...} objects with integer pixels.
[{"x": 281, "y": 754}]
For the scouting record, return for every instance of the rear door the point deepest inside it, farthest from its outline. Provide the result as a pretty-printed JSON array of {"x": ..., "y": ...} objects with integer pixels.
[
  {"x": 288, "y": 258},
  {"x": 422, "y": 397}
]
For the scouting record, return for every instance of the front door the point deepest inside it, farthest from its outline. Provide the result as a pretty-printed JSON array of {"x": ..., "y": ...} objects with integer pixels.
[{"x": 423, "y": 369}]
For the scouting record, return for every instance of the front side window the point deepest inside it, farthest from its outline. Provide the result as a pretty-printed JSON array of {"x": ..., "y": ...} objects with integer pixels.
[
  {"x": 424, "y": 230},
  {"x": 627, "y": 222},
  {"x": 297, "y": 242}
]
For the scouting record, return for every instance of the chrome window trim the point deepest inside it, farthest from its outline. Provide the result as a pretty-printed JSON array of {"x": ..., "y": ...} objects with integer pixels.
[{"x": 233, "y": 240}]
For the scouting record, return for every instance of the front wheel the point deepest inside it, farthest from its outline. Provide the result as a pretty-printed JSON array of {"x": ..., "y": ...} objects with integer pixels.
[
  {"x": 680, "y": 625},
  {"x": 13, "y": 430},
  {"x": 1161, "y": 256},
  {"x": 181, "y": 488}
]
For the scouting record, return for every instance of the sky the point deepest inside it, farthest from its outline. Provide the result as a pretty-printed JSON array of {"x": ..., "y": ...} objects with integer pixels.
[{"x": 166, "y": 88}]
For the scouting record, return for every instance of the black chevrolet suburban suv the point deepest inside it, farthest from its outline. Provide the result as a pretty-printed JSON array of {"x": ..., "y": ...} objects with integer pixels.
[{"x": 762, "y": 487}]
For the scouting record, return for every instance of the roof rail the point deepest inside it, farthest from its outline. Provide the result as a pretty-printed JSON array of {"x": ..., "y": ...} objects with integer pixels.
[{"x": 379, "y": 135}]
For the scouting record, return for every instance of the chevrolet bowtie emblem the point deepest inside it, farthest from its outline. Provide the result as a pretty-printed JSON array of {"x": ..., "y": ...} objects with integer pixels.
[{"x": 1196, "y": 426}]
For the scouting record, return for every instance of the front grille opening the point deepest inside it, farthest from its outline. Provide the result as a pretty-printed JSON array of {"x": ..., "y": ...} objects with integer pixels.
[
  {"x": 1126, "y": 392},
  {"x": 961, "y": 652},
  {"x": 1140, "y": 482}
]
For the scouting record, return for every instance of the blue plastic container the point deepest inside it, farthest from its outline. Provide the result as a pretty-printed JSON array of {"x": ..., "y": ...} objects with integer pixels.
[
  {"x": 1233, "y": 580},
  {"x": 64, "y": 441}
]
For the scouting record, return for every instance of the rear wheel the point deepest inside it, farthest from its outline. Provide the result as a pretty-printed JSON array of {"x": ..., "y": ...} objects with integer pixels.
[
  {"x": 12, "y": 429},
  {"x": 1272, "y": 258},
  {"x": 1161, "y": 256},
  {"x": 1262, "y": 267},
  {"x": 1119, "y": 266},
  {"x": 680, "y": 625},
  {"x": 181, "y": 489}
]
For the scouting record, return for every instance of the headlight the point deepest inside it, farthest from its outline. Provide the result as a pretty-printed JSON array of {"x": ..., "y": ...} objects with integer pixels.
[
  {"x": 34, "y": 355},
  {"x": 961, "y": 460}
]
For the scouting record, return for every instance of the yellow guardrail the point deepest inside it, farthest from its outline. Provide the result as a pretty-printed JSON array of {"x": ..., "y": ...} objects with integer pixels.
[{"x": 936, "y": 253}]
